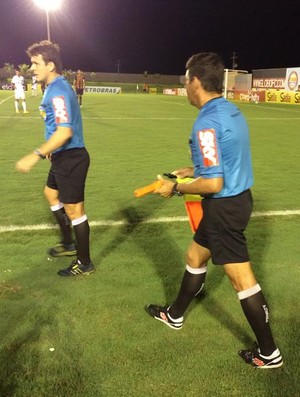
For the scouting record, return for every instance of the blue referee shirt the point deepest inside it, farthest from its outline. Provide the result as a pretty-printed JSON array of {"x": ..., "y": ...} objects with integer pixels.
[
  {"x": 60, "y": 107},
  {"x": 220, "y": 147}
]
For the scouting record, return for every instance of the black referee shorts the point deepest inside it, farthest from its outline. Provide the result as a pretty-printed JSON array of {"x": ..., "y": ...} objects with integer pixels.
[
  {"x": 222, "y": 227},
  {"x": 68, "y": 174}
]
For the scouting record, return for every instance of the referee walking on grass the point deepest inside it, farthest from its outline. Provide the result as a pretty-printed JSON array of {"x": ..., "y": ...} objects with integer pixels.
[
  {"x": 222, "y": 170},
  {"x": 65, "y": 148}
]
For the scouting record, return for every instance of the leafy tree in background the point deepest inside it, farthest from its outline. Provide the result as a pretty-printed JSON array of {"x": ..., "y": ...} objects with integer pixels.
[
  {"x": 24, "y": 69},
  {"x": 9, "y": 68},
  {"x": 69, "y": 75}
]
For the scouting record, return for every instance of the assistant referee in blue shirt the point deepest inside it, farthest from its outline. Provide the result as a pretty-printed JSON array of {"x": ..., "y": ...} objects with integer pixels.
[
  {"x": 64, "y": 147},
  {"x": 222, "y": 173}
]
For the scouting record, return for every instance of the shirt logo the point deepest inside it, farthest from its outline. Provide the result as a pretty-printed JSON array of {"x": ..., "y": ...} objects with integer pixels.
[
  {"x": 60, "y": 110},
  {"x": 207, "y": 144}
]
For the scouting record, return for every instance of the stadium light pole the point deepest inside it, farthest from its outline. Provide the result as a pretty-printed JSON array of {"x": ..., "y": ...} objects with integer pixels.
[
  {"x": 48, "y": 25},
  {"x": 48, "y": 5}
]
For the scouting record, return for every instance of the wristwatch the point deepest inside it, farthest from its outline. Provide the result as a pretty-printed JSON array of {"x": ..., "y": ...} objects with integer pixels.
[
  {"x": 175, "y": 192},
  {"x": 38, "y": 153}
]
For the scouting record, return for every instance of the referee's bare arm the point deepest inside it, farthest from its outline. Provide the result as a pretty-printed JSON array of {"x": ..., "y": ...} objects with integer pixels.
[
  {"x": 200, "y": 186},
  {"x": 57, "y": 140}
]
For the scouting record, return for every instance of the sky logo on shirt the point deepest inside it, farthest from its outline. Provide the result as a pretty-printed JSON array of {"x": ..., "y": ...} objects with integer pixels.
[
  {"x": 207, "y": 143},
  {"x": 60, "y": 110}
]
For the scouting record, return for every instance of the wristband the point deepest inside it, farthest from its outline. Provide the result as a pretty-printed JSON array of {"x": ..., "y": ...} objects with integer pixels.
[
  {"x": 175, "y": 192},
  {"x": 38, "y": 153}
]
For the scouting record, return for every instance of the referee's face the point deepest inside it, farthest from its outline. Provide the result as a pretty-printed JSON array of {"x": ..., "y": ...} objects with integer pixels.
[
  {"x": 41, "y": 70},
  {"x": 191, "y": 85}
]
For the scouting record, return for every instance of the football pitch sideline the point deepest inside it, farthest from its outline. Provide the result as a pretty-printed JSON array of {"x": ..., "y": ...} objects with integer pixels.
[{"x": 91, "y": 337}]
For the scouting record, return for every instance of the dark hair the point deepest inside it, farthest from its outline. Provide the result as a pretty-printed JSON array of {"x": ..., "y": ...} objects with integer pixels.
[
  {"x": 50, "y": 52},
  {"x": 208, "y": 67}
]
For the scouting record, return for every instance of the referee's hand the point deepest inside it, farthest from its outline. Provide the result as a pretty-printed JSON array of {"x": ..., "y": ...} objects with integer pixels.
[
  {"x": 166, "y": 188},
  {"x": 25, "y": 164}
]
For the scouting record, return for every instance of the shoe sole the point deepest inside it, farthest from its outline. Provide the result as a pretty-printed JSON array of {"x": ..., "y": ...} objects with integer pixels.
[
  {"x": 78, "y": 274},
  {"x": 269, "y": 366},
  {"x": 168, "y": 324},
  {"x": 162, "y": 321},
  {"x": 266, "y": 366}
]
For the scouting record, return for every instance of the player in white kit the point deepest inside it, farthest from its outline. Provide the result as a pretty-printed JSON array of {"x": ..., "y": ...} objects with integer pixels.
[{"x": 18, "y": 83}]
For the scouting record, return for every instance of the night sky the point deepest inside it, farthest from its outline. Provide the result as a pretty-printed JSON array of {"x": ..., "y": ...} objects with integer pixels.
[{"x": 155, "y": 35}]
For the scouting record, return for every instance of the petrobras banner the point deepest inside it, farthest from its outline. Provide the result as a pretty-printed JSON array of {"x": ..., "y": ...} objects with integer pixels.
[
  {"x": 102, "y": 90},
  {"x": 292, "y": 80},
  {"x": 282, "y": 96}
]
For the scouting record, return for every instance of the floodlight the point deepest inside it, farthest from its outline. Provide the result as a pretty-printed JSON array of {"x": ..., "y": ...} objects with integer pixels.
[{"x": 48, "y": 5}]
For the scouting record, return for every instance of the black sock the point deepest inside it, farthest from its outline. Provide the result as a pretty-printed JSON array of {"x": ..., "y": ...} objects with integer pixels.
[
  {"x": 64, "y": 223},
  {"x": 191, "y": 285},
  {"x": 256, "y": 311},
  {"x": 82, "y": 234}
]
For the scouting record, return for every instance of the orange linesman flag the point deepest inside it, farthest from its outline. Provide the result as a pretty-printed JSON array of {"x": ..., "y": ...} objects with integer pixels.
[
  {"x": 192, "y": 202},
  {"x": 193, "y": 206},
  {"x": 195, "y": 213},
  {"x": 142, "y": 191}
]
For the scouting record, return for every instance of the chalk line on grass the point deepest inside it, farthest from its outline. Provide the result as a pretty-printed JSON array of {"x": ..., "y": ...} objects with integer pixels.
[
  {"x": 6, "y": 99},
  {"x": 258, "y": 214}
]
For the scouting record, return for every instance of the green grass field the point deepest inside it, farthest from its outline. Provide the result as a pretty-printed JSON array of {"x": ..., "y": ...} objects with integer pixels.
[{"x": 105, "y": 345}]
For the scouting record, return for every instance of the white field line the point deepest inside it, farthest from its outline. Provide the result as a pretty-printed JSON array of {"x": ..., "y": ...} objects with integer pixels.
[
  {"x": 273, "y": 118},
  {"x": 6, "y": 99},
  {"x": 14, "y": 228},
  {"x": 147, "y": 118},
  {"x": 278, "y": 109},
  {"x": 104, "y": 118},
  {"x": 171, "y": 118}
]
